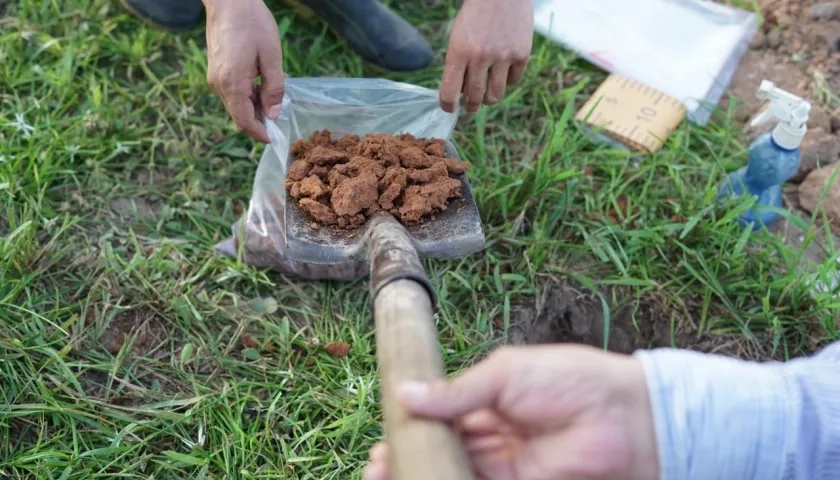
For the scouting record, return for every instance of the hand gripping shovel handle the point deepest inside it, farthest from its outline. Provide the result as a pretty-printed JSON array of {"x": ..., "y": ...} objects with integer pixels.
[{"x": 407, "y": 349}]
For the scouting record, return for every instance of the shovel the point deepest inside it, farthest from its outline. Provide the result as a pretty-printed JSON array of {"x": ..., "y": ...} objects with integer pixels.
[{"x": 403, "y": 302}]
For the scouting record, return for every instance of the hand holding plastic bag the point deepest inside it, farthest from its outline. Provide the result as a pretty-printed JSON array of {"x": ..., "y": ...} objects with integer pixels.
[
  {"x": 488, "y": 50},
  {"x": 344, "y": 105},
  {"x": 242, "y": 43}
]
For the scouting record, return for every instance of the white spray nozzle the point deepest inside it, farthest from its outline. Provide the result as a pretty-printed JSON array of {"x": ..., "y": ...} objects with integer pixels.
[
  {"x": 791, "y": 111},
  {"x": 784, "y": 106}
]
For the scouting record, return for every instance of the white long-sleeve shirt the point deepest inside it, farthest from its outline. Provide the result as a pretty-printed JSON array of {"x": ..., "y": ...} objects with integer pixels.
[{"x": 719, "y": 418}]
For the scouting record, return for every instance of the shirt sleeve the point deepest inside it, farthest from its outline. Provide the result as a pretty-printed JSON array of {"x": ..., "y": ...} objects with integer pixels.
[{"x": 721, "y": 418}]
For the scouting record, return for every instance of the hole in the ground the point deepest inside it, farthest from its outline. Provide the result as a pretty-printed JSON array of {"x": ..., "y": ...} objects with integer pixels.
[{"x": 567, "y": 313}]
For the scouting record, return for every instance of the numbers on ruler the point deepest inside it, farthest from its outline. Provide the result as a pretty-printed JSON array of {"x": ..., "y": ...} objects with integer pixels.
[
  {"x": 645, "y": 114},
  {"x": 630, "y": 112}
]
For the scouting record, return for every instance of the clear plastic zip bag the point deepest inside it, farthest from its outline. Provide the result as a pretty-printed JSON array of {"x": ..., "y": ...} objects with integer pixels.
[
  {"x": 345, "y": 105},
  {"x": 689, "y": 49}
]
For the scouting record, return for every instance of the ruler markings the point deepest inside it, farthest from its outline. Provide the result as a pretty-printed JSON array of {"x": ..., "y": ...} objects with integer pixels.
[{"x": 635, "y": 114}]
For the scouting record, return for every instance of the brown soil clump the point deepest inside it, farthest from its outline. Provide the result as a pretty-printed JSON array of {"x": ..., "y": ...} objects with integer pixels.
[{"x": 341, "y": 183}]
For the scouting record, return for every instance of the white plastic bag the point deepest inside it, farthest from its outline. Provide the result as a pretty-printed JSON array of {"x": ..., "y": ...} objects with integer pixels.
[
  {"x": 689, "y": 49},
  {"x": 346, "y": 105}
]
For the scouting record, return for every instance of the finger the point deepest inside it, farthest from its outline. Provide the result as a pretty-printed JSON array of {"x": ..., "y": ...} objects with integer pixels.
[
  {"x": 255, "y": 100},
  {"x": 476, "y": 85},
  {"x": 487, "y": 444},
  {"x": 483, "y": 422},
  {"x": 453, "y": 80},
  {"x": 273, "y": 85},
  {"x": 379, "y": 452},
  {"x": 376, "y": 471},
  {"x": 515, "y": 73},
  {"x": 495, "y": 456},
  {"x": 240, "y": 104},
  {"x": 477, "y": 387},
  {"x": 496, "y": 83}
]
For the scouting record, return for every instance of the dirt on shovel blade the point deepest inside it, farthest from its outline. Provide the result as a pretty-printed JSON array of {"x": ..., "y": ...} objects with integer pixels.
[{"x": 340, "y": 183}]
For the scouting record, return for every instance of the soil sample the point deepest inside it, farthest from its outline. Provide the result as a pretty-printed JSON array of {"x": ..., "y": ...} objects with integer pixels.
[
  {"x": 261, "y": 235},
  {"x": 340, "y": 183}
]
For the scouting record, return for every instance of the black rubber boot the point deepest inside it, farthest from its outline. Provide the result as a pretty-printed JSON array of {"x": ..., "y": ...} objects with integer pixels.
[
  {"x": 375, "y": 32},
  {"x": 172, "y": 15}
]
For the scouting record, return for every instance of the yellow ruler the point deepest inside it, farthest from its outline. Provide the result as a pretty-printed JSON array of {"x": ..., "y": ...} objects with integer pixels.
[{"x": 632, "y": 113}]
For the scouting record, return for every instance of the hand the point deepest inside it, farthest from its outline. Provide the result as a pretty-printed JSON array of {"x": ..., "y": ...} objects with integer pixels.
[
  {"x": 242, "y": 43},
  {"x": 543, "y": 413},
  {"x": 488, "y": 50}
]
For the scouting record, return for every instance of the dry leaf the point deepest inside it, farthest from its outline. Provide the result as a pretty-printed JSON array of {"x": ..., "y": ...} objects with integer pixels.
[
  {"x": 247, "y": 341},
  {"x": 337, "y": 349}
]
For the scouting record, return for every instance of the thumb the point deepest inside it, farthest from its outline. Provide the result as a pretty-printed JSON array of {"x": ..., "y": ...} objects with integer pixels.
[
  {"x": 477, "y": 387},
  {"x": 273, "y": 84}
]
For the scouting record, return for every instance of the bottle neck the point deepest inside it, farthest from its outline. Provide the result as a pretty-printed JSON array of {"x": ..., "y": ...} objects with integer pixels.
[
  {"x": 787, "y": 137},
  {"x": 780, "y": 147}
]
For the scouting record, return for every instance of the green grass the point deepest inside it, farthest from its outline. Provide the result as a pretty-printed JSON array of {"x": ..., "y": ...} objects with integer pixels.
[{"x": 111, "y": 203}]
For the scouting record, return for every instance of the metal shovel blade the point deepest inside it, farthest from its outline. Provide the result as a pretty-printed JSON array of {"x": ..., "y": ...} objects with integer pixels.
[{"x": 453, "y": 233}]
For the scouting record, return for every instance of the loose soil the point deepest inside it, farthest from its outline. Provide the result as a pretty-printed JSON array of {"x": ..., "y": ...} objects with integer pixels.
[
  {"x": 568, "y": 313},
  {"x": 142, "y": 327},
  {"x": 342, "y": 182},
  {"x": 798, "y": 49}
]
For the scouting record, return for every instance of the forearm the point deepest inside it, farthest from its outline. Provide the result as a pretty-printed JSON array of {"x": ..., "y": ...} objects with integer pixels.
[{"x": 721, "y": 418}]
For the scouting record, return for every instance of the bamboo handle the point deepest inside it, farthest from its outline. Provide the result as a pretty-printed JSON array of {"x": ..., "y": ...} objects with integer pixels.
[{"x": 408, "y": 349}]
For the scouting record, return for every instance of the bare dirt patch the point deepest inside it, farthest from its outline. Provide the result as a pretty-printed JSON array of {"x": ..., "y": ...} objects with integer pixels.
[
  {"x": 798, "y": 49},
  {"x": 140, "y": 335},
  {"x": 134, "y": 208},
  {"x": 141, "y": 329},
  {"x": 568, "y": 313}
]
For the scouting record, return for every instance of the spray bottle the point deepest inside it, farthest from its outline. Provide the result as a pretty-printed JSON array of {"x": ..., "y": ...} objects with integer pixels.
[{"x": 773, "y": 157}]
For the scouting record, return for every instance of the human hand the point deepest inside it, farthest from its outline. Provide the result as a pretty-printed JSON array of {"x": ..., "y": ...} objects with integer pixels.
[
  {"x": 242, "y": 43},
  {"x": 488, "y": 50},
  {"x": 543, "y": 413}
]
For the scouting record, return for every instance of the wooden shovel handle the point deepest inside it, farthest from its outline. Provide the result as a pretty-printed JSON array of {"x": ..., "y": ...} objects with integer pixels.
[{"x": 408, "y": 349}]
